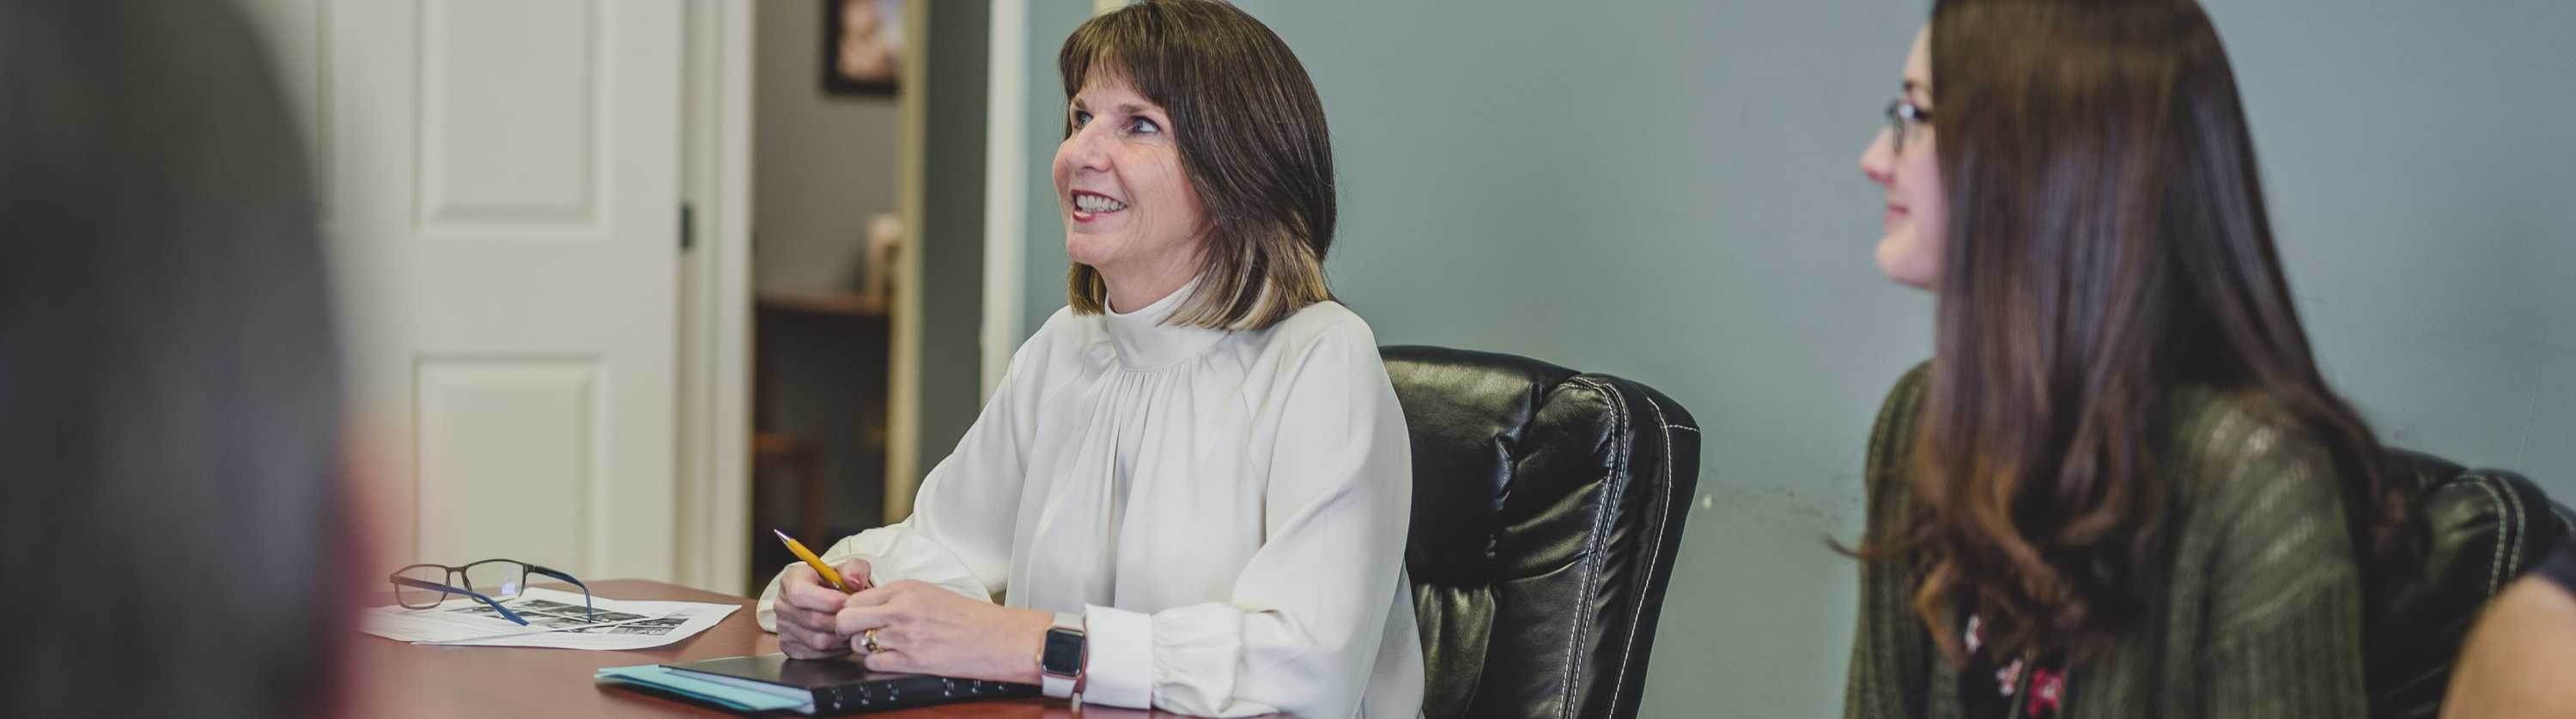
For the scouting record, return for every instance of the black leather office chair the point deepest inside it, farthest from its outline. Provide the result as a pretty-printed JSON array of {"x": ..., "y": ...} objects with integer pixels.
[
  {"x": 1547, "y": 509},
  {"x": 2489, "y": 525}
]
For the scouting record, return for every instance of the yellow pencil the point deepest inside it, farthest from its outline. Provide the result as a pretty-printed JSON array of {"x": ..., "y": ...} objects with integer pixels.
[{"x": 816, "y": 562}]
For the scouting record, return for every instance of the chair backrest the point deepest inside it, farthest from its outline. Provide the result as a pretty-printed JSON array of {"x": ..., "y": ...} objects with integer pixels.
[
  {"x": 2488, "y": 526},
  {"x": 1547, "y": 509}
]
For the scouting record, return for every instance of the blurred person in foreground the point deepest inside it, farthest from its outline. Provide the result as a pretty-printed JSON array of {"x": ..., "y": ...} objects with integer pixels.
[{"x": 172, "y": 524}]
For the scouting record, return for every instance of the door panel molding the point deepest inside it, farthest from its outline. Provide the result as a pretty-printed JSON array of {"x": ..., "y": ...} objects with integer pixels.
[
  {"x": 511, "y": 137},
  {"x": 502, "y": 220},
  {"x": 514, "y": 444}
]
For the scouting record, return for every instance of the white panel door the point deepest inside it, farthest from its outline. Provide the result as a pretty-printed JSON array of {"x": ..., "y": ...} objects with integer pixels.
[{"x": 501, "y": 184}]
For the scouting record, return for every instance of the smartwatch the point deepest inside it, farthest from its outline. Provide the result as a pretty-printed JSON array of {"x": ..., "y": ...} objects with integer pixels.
[{"x": 1061, "y": 659}]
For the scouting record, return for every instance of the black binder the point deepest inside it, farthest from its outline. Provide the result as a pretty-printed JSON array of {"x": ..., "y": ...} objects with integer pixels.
[{"x": 843, "y": 686}]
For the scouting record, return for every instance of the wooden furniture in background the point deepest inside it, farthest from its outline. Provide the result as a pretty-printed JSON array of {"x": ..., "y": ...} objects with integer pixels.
[
  {"x": 791, "y": 453},
  {"x": 826, "y": 303}
]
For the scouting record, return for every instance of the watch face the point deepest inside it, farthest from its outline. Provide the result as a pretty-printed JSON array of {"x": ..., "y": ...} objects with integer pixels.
[{"x": 1063, "y": 653}]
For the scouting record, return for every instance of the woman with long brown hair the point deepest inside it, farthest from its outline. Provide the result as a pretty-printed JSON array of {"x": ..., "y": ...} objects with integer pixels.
[{"x": 2120, "y": 487}]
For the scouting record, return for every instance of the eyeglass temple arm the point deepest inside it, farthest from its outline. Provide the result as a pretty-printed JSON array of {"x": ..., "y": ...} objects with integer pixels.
[
  {"x": 585, "y": 588},
  {"x": 487, "y": 601}
]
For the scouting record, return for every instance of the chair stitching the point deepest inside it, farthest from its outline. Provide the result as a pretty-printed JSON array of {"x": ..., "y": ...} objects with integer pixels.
[
  {"x": 1595, "y": 541},
  {"x": 1671, "y": 427},
  {"x": 1595, "y": 545},
  {"x": 1565, "y": 674},
  {"x": 2495, "y": 569},
  {"x": 2563, "y": 521},
  {"x": 2522, "y": 526},
  {"x": 1654, "y": 552}
]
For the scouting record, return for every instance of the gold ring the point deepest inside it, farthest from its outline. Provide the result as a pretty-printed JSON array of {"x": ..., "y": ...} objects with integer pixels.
[{"x": 868, "y": 641}]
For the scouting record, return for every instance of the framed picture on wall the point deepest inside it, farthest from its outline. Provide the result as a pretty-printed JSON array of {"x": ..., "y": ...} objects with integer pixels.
[{"x": 862, "y": 46}]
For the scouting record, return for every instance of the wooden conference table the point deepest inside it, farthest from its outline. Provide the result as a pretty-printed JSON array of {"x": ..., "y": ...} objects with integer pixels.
[{"x": 396, "y": 679}]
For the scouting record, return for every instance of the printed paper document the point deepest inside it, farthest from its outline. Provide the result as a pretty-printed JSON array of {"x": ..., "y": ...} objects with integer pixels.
[{"x": 555, "y": 619}]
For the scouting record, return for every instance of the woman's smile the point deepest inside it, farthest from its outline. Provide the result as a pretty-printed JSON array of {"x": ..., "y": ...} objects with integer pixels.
[{"x": 1089, "y": 206}]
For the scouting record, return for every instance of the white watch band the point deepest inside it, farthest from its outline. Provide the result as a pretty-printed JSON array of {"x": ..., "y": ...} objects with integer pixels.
[{"x": 1056, "y": 686}]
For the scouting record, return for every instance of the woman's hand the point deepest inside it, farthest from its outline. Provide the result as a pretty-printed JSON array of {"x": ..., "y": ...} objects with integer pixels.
[
  {"x": 923, "y": 629},
  {"x": 806, "y": 606}
]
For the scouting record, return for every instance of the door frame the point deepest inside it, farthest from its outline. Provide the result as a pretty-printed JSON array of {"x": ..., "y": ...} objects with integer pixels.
[
  {"x": 903, "y": 328},
  {"x": 1005, "y": 190},
  {"x": 712, "y": 531}
]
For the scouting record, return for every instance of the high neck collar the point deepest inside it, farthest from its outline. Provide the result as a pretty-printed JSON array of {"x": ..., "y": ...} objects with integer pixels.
[{"x": 1145, "y": 341}]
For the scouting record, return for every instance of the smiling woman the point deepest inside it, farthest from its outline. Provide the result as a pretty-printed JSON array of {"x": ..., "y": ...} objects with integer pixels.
[
  {"x": 1192, "y": 486},
  {"x": 2121, "y": 486},
  {"x": 1223, "y": 158}
]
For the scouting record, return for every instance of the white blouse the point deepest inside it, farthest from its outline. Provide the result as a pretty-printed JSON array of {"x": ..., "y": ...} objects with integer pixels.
[{"x": 1227, "y": 510}]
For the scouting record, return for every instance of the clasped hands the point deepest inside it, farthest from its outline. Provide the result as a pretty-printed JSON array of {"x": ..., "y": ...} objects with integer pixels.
[{"x": 917, "y": 627}]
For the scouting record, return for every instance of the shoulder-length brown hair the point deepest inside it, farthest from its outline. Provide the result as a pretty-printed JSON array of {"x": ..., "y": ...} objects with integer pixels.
[
  {"x": 2108, "y": 242},
  {"x": 1252, "y": 141}
]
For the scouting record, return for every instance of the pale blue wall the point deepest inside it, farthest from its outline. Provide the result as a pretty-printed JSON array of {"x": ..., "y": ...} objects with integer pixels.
[{"x": 1667, "y": 191}]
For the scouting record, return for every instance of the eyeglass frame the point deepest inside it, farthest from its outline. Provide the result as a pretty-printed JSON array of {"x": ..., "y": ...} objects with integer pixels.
[
  {"x": 1903, "y": 116},
  {"x": 590, "y": 609}
]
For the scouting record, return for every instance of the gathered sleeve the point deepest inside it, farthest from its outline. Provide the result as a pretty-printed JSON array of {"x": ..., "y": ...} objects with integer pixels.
[
  {"x": 1303, "y": 629},
  {"x": 959, "y": 534}
]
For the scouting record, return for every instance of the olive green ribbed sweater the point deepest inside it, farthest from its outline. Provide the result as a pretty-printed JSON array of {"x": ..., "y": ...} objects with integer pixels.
[{"x": 2254, "y": 611}]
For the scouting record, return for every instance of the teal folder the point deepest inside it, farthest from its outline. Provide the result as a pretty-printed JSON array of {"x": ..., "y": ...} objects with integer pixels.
[
  {"x": 773, "y": 682},
  {"x": 686, "y": 686}
]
